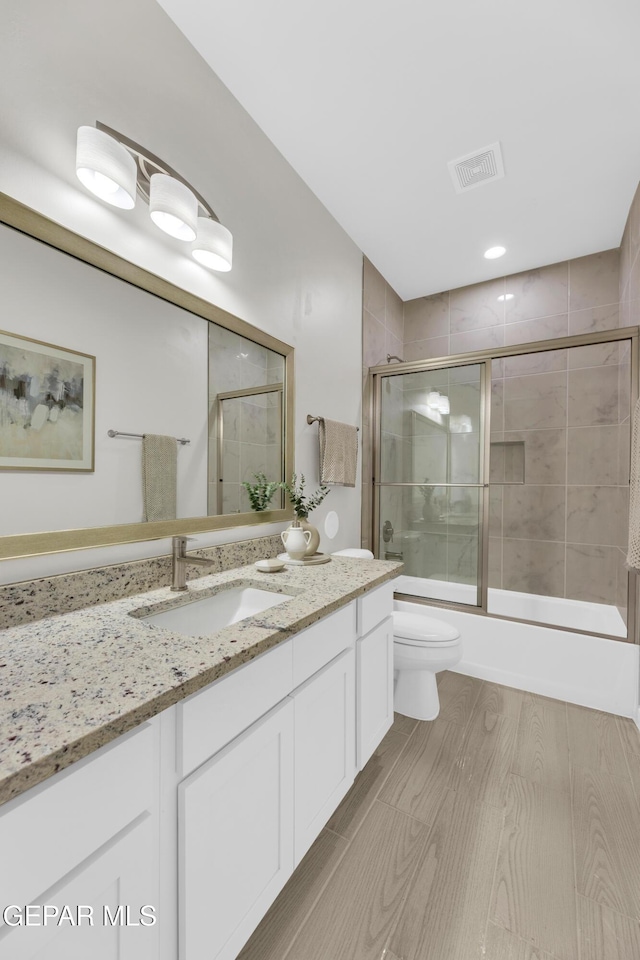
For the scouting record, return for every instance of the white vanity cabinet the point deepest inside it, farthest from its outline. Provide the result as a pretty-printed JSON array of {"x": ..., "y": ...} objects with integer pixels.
[
  {"x": 249, "y": 813},
  {"x": 200, "y": 815},
  {"x": 374, "y": 670},
  {"x": 87, "y": 838},
  {"x": 325, "y": 721},
  {"x": 235, "y": 837},
  {"x": 324, "y": 747}
]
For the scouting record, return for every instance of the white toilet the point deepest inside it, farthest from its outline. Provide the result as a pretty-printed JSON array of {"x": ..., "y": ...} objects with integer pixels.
[
  {"x": 355, "y": 552},
  {"x": 422, "y": 647}
]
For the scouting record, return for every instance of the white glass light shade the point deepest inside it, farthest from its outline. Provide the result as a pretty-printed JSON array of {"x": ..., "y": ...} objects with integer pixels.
[
  {"x": 173, "y": 207},
  {"x": 433, "y": 400},
  {"x": 461, "y": 424},
  {"x": 106, "y": 168},
  {"x": 443, "y": 405},
  {"x": 213, "y": 247}
]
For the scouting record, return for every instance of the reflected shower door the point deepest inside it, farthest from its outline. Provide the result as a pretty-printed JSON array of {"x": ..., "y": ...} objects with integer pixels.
[
  {"x": 429, "y": 480},
  {"x": 248, "y": 430}
]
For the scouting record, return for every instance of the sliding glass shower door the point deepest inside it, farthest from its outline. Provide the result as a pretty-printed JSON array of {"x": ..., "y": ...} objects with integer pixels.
[
  {"x": 429, "y": 479},
  {"x": 501, "y": 480},
  {"x": 559, "y": 505}
]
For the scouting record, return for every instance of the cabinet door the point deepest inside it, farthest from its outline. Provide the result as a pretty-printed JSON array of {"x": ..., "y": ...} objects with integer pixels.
[
  {"x": 236, "y": 838},
  {"x": 55, "y": 827},
  {"x": 324, "y": 747},
  {"x": 123, "y": 878},
  {"x": 374, "y": 689}
]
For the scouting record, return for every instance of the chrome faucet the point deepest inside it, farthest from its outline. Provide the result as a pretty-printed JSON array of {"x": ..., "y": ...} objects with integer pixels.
[{"x": 181, "y": 561}]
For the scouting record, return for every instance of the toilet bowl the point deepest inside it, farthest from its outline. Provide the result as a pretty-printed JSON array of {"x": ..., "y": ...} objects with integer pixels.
[
  {"x": 422, "y": 647},
  {"x": 355, "y": 552}
]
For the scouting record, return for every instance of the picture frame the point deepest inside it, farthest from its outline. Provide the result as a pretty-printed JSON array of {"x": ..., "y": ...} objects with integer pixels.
[{"x": 47, "y": 406}]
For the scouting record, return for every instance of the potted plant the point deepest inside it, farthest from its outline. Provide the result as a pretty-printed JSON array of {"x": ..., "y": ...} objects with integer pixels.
[
  {"x": 428, "y": 510},
  {"x": 302, "y": 505},
  {"x": 261, "y": 492}
]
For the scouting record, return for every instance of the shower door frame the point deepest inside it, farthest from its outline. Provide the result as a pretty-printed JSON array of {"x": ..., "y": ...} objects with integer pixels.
[
  {"x": 241, "y": 394},
  {"x": 485, "y": 357}
]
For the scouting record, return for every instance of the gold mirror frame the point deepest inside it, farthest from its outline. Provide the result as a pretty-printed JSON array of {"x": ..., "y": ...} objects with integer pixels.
[{"x": 19, "y": 217}]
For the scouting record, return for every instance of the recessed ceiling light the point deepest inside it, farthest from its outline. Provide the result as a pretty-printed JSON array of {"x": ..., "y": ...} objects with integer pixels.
[
  {"x": 506, "y": 296},
  {"x": 494, "y": 252}
]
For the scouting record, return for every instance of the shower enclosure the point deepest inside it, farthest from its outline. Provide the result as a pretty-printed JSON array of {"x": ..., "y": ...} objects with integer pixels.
[{"x": 501, "y": 479}]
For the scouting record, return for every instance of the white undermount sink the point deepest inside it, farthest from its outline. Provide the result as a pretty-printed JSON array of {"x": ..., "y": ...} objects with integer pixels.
[{"x": 198, "y": 618}]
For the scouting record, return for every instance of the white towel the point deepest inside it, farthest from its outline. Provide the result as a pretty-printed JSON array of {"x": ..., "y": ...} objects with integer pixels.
[
  {"x": 159, "y": 476},
  {"x": 633, "y": 555},
  {"x": 338, "y": 452}
]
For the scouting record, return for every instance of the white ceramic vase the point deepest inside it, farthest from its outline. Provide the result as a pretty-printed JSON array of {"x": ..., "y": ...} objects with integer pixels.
[
  {"x": 296, "y": 541},
  {"x": 314, "y": 543}
]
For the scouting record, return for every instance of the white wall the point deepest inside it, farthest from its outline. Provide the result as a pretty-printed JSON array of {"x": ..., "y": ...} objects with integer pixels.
[
  {"x": 151, "y": 376},
  {"x": 296, "y": 273}
]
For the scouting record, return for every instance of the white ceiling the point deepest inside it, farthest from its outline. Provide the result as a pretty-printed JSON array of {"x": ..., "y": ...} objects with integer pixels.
[{"x": 369, "y": 100}]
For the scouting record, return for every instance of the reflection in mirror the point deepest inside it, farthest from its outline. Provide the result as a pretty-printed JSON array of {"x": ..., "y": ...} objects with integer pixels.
[
  {"x": 166, "y": 363},
  {"x": 246, "y": 418}
]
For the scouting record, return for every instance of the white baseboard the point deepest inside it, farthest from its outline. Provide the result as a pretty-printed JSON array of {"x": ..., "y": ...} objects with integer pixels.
[{"x": 590, "y": 671}]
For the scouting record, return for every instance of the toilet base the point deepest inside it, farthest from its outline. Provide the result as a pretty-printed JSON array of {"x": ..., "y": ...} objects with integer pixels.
[{"x": 416, "y": 694}]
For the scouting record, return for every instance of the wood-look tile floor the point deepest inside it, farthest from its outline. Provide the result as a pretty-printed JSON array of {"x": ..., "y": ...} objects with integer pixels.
[{"x": 507, "y": 829}]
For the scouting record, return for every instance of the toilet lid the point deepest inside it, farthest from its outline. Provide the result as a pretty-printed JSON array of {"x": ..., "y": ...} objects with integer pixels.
[{"x": 415, "y": 626}]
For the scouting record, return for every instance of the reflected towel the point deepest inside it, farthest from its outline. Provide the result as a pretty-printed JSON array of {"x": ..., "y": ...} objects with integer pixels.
[
  {"x": 338, "y": 452},
  {"x": 159, "y": 476},
  {"x": 633, "y": 554}
]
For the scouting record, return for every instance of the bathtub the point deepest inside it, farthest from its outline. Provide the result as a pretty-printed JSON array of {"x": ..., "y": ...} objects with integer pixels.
[
  {"x": 577, "y": 614},
  {"x": 593, "y": 671}
]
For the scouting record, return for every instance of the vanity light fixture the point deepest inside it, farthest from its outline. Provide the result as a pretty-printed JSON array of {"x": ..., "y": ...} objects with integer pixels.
[
  {"x": 173, "y": 207},
  {"x": 106, "y": 168},
  {"x": 436, "y": 401},
  {"x": 114, "y": 168},
  {"x": 214, "y": 245},
  {"x": 461, "y": 424},
  {"x": 494, "y": 252}
]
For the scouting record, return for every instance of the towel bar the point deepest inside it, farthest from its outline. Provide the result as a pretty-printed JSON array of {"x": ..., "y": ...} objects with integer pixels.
[
  {"x": 311, "y": 419},
  {"x": 140, "y": 436}
]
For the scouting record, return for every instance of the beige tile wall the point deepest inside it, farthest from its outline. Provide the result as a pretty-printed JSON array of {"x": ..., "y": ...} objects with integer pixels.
[
  {"x": 382, "y": 333},
  {"x": 564, "y": 532},
  {"x": 629, "y": 287}
]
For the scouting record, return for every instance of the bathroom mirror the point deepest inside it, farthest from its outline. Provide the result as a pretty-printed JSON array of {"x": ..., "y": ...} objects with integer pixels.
[{"x": 166, "y": 362}]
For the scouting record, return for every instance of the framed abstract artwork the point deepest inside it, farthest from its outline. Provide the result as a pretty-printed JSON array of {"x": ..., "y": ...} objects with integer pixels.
[{"x": 47, "y": 406}]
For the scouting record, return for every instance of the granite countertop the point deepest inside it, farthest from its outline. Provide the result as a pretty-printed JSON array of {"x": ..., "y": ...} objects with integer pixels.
[{"x": 72, "y": 683}]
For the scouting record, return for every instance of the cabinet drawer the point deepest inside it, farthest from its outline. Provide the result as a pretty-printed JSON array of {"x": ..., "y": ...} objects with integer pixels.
[
  {"x": 211, "y": 718},
  {"x": 319, "y": 644},
  {"x": 374, "y": 607},
  {"x": 56, "y": 826}
]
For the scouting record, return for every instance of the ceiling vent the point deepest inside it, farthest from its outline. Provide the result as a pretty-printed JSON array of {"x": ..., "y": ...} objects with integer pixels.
[{"x": 477, "y": 168}]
